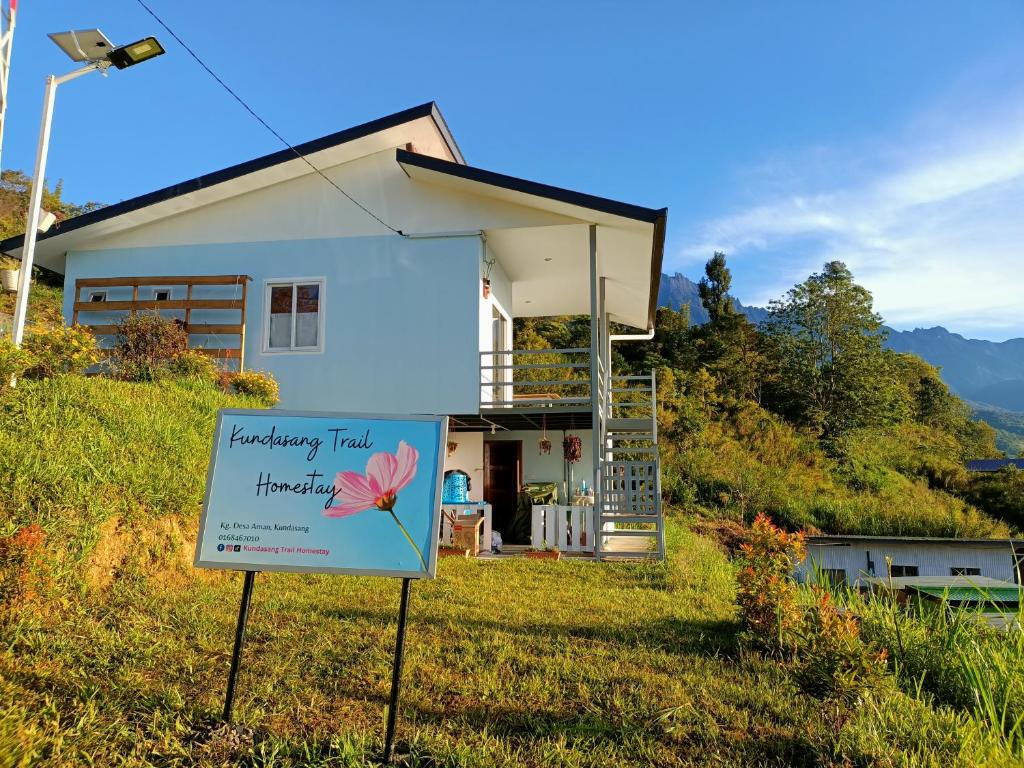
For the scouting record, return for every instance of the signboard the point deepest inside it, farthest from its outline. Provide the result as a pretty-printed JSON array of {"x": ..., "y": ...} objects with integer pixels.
[{"x": 323, "y": 493}]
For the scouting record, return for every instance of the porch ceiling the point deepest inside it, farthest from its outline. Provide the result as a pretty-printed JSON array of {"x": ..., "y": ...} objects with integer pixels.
[
  {"x": 549, "y": 269},
  {"x": 518, "y": 420},
  {"x": 549, "y": 266}
]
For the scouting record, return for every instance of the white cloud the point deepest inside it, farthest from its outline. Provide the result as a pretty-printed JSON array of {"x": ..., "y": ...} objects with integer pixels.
[{"x": 936, "y": 231}]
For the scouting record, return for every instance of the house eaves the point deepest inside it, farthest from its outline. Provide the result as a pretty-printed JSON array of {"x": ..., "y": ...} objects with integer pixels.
[{"x": 218, "y": 184}]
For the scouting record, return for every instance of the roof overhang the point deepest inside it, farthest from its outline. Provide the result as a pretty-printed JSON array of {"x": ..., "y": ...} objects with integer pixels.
[
  {"x": 545, "y": 263},
  {"x": 424, "y": 127}
]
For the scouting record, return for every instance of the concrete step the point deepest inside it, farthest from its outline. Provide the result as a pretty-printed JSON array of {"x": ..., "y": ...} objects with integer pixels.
[{"x": 625, "y": 424}]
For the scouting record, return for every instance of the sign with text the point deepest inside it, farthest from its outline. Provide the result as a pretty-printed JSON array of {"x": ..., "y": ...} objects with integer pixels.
[{"x": 323, "y": 493}]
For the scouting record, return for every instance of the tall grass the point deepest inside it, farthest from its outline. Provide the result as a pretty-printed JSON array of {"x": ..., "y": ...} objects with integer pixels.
[{"x": 952, "y": 658}]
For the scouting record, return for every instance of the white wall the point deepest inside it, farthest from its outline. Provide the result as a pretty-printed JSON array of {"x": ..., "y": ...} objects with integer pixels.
[
  {"x": 932, "y": 559},
  {"x": 469, "y": 457},
  {"x": 308, "y": 208},
  {"x": 400, "y": 315}
]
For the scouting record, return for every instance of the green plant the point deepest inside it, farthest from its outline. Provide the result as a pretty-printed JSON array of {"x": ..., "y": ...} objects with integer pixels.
[
  {"x": 21, "y": 567},
  {"x": 146, "y": 344},
  {"x": 193, "y": 364},
  {"x": 60, "y": 350},
  {"x": 14, "y": 361},
  {"x": 833, "y": 663},
  {"x": 767, "y": 592},
  {"x": 259, "y": 384}
]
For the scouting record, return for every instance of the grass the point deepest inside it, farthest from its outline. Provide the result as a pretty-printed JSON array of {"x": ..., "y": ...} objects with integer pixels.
[{"x": 509, "y": 663}]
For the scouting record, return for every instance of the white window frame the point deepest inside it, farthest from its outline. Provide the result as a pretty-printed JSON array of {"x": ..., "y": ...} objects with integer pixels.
[
  {"x": 97, "y": 297},
  {"x": 265, "y": 331},
  {"x": 162, "y": 290}
]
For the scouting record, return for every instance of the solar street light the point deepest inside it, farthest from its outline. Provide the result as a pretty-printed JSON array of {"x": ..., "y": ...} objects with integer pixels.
[{"x": 98, "y": 54}]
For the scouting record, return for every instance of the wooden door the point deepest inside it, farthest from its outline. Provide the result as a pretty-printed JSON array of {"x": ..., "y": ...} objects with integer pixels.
[{"x": 503, "y": 475}]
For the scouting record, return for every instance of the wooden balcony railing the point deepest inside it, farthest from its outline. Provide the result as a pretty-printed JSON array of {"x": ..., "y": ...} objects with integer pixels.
[{"x": 108, "y": 299}]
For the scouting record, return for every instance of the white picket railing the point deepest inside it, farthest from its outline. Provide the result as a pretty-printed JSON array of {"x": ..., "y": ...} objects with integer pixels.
[{"x": 568, "y": 527}]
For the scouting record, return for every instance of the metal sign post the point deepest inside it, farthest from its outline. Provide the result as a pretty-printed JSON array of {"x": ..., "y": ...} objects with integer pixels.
[
  {"x": 396, "y": 673},
  {"x": 236, "y": 655}
]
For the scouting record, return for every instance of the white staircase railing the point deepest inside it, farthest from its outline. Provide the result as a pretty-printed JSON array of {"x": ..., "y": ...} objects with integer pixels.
[{"x": 631, "y": 516}]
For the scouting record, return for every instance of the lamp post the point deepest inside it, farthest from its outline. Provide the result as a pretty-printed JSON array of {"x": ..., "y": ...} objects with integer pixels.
[{"x": 93, "y": 48}]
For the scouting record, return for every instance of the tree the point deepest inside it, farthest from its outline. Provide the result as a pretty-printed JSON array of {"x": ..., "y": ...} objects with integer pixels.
[
  {"x": 15, "y": 188},
  {"x": 825, "y": 341},
  {"x": 728, "y": 345},
  {"x": 714, "y": 290}
]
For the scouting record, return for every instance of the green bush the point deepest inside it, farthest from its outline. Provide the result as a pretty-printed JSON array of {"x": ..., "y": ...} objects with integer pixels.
[
  {"x": 146, "y": 344},
  {"x": 193, "y": 364},
  {"x": 14, "y": 361},
  {"x": 258, "y": 384},
  {"x": 834, "y": 664},
  {"x": 60, "y": 350}
]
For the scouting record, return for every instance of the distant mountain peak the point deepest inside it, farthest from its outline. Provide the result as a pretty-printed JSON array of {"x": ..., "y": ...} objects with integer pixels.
[{"x": 678, "y": 289}]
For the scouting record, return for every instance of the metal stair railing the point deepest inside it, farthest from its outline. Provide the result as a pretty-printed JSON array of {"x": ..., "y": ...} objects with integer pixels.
[{"x": 630, "y": 470}]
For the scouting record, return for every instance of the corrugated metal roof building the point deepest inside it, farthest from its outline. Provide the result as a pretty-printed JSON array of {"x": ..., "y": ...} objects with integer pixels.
[{"x": 853, "y": 559}]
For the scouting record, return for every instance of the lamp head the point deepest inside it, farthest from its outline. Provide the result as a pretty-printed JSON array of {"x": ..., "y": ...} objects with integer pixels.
[
  {"x": 91, "y": 45},
  {"x": 135, "y": 53}
]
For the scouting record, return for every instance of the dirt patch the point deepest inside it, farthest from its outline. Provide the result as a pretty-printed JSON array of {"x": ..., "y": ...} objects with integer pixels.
[
  {"x": 159, "y": 550},
  {"x": 728, "y": 534},
  {"x": 108, "y": 555}
]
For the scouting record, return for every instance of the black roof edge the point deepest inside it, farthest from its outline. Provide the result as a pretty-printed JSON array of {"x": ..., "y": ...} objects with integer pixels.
[
  {"x": 657, "y": 258},
  {"x": 828, "y": 538},
  {"x": 429, "y": 109},
  {"x": 603, "y": 204}
]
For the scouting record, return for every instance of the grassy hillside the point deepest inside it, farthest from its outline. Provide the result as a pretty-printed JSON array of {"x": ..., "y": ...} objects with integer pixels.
[{"x": 511, "y": 663}]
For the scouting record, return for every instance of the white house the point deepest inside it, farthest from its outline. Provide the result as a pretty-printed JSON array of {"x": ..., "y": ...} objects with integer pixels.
[
  {"x": 361, "y": 286},
  {"x": 856, "y": 560}
]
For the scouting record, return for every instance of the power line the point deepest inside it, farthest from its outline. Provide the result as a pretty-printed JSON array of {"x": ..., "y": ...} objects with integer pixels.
[{"x": 263, "y": 122}]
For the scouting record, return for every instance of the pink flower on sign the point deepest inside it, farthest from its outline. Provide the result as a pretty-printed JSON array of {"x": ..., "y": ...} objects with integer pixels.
[{"x": 386, "y": 475}]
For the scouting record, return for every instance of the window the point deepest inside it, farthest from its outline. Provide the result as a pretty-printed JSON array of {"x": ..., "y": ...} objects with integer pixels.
[
  {"x": 902, "y": 570},
  {"x": 835, "y": 577},
  {"x": 965, "y": 571},
  {"x": 161, "y": 294},
  {"x": 293, "y": 315},
  {"x": 96, "y": 296}
]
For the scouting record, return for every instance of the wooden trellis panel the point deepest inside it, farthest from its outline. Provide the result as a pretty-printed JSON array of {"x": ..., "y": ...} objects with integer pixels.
[{"x": 187, "y": 305}]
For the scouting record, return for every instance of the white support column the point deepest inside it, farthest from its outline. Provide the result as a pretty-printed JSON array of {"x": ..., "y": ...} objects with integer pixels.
[{"x": 597, "y": 439}]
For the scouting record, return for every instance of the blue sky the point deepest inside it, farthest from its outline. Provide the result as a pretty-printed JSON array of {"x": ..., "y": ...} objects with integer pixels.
[{"x": 890, "y": 135}]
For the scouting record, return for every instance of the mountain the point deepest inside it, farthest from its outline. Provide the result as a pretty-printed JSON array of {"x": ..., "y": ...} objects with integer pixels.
[
  {"x": 678, "y": 289},
  {"x": 988, "y": 373}
]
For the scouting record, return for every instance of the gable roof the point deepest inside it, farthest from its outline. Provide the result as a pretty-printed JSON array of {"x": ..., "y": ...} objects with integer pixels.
[
  {"x": 645, "y": 226},
  {"x": 220, "y": 179}
]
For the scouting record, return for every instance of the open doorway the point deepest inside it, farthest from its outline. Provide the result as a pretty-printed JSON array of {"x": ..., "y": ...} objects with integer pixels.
[{"x": 503, "y": 476}]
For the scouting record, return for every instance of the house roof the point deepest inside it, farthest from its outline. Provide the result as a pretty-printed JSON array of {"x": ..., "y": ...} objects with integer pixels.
[
  {"x": 240, "y": 178},
  {"x": 971, "y": 594},
  {"x": 631, "y": 241},
  {"x": 993, "y": 465},
  {"x": 839, "y": 540},
  {"x": 543, "y": 254},
  {"x": 936, "y": 582}
]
